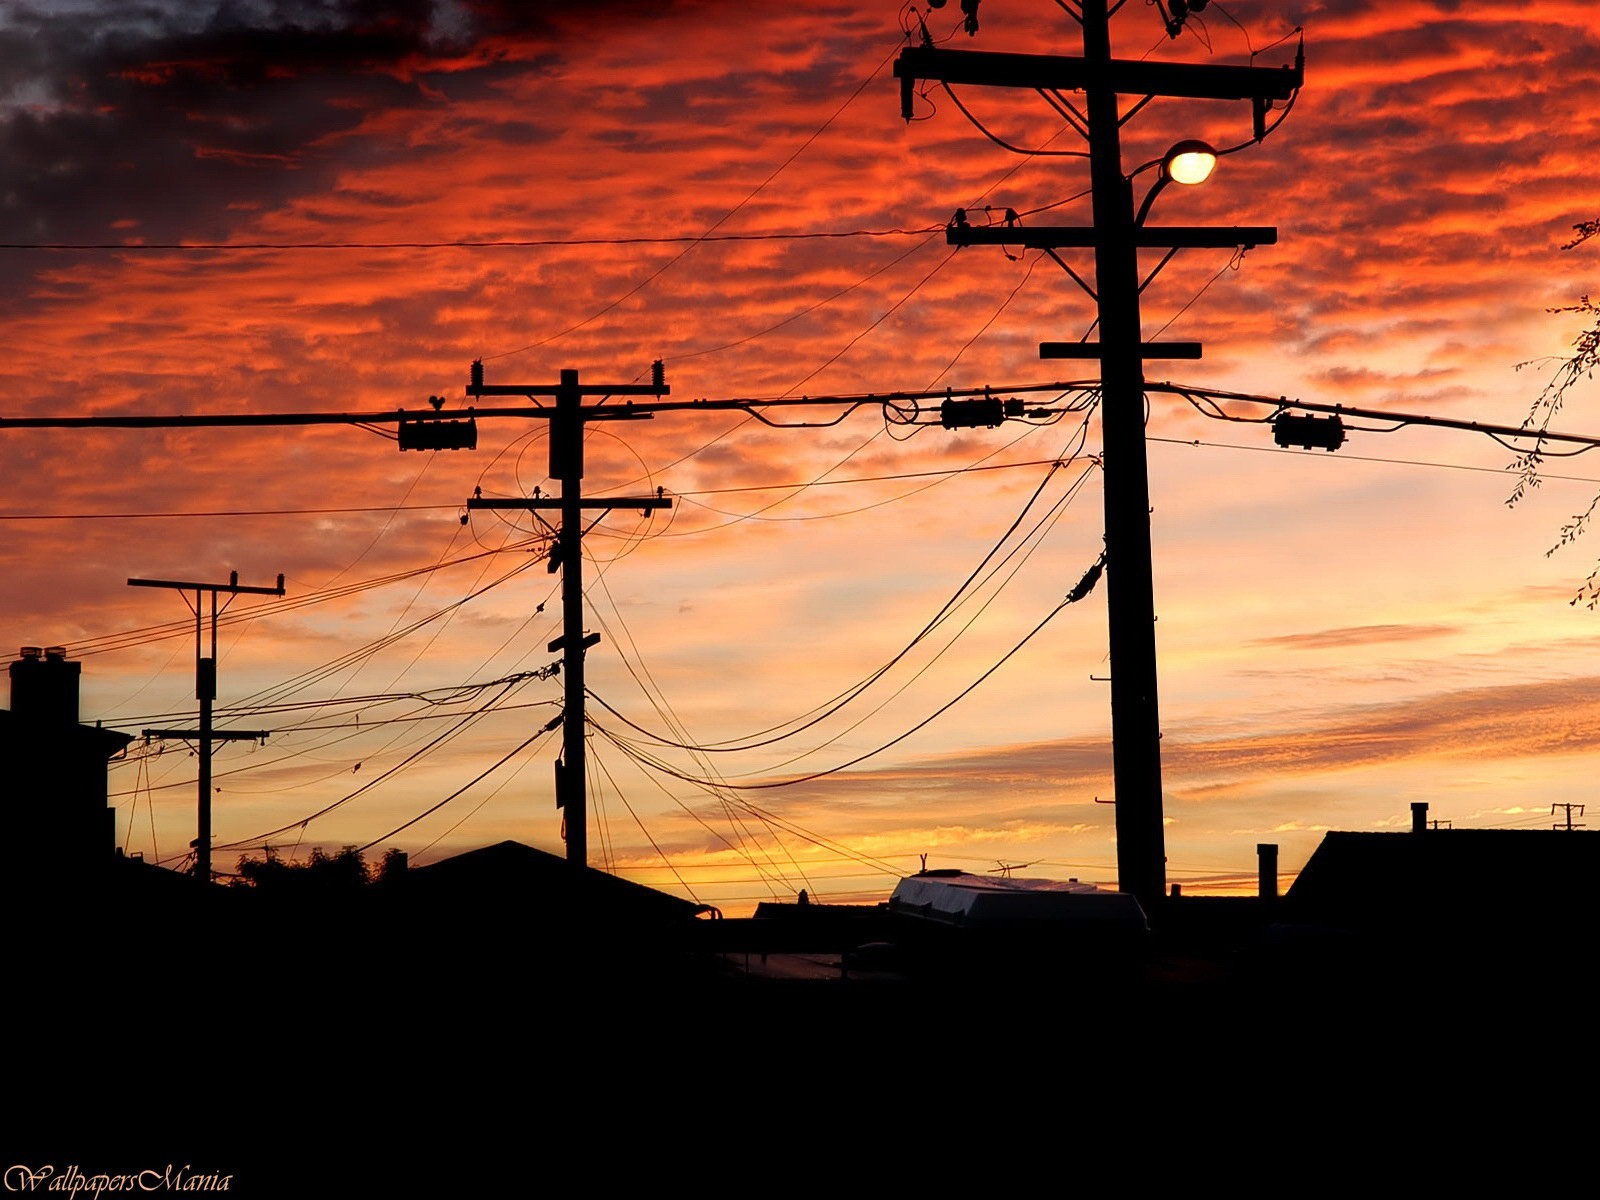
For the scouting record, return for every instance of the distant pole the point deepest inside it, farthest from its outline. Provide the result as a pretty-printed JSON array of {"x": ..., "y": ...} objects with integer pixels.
[
  {"x": 567, "y": 420},
  {"x": 1568, "y": 824},
  {"x": 205, "y": 690}
]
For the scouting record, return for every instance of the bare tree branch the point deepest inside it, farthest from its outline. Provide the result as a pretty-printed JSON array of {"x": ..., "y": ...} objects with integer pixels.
[{"x": 1578, "y": 365}]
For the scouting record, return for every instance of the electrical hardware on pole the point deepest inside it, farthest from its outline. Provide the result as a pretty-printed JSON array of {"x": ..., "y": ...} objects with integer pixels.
[{"x": 1308, "y": 432}]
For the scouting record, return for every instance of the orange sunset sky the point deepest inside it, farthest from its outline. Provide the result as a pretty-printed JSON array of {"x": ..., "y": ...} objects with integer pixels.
[{"x": 1339, "y": 634}]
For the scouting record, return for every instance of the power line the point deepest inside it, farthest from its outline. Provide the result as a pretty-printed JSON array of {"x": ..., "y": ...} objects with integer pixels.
[
  {"x": 357, "y": 659},
  {"x": 939, "y": 477},
  {"x": 682, "y": 882},
  {"x": 475, "y": 244},
  {"x": 1584, "y": 442},
  {"x": 1036, "y": 536},
  {"x": 381, "y": 722},
  {"x": 1078, "y": 592},
  {"x": 451, "y": 693},
  {"x": 886, "y": 314},
  {"x": 227, "y": 512},
  {"x": 1372, "y": 458},
  {"x": 154, "y": 633},
  {"x": 814, "y": 716},
  {"x": 473, "y": 811},
  {"x": 711, "y": 234},
  {"x": 729, "y": 866},
  {"x": 797, "y": 485},
  {"x": 448, "y": 735},
  {"x": 1005, "y": 145},
  {"x": 808, "y": 309},
  {"x": 728, "y": 801},
  {"x": 463, "y": 788},
  {"x": 305, "y": 679},
  {"x": 667, "y": 713}
]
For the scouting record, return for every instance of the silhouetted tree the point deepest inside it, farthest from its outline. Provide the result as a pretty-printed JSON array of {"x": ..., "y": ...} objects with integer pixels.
[
  {"x": 392, "y": 867},
  {"x": 1578, "y": 365},
  {"x": 346, "y": 871}
]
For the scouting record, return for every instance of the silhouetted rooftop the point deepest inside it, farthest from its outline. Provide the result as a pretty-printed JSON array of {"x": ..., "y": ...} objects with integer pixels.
[
  {"x": 511, "y": 871},
  {"x": 1452, "y": 876}
]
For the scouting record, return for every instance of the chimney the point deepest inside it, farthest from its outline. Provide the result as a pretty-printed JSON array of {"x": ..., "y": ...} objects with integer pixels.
[
  {"x": 44, "y": 687},
  {"x": 1419, "y": 816},
  {"x": 1267, "y": 870}
]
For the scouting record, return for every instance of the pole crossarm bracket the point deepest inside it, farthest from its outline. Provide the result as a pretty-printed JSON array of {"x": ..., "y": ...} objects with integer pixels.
[
  {"x": 233, "y": 586},
  {"x": 639, "y": 502},
  {"x": 1147, "y": 350},
  {"x": 1051, "y": 237},
  {"x": 1193, "y": 81},
  {"x": 554, "y": 389},
  {"x": 588, "y": 641},
  {"x": 217, "y": 735}
]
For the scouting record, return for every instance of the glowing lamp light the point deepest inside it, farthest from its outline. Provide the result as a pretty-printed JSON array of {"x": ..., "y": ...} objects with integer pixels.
[{"x": 1189, "y": 162}]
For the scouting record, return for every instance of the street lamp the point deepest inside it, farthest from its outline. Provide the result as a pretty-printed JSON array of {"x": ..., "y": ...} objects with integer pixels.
[{"x": 1188, "y": 162}]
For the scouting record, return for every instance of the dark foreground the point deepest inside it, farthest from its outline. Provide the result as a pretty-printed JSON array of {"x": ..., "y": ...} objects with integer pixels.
[{"x": 309, "y": 1052}]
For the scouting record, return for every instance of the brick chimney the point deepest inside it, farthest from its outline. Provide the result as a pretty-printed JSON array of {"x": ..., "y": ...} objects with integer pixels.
[
  {"x": 1419, "y": 816},
  {"x": 44, "y": 687},
  {"x": 55, "y": 819},
  {"x": 1267, "y": 870}
]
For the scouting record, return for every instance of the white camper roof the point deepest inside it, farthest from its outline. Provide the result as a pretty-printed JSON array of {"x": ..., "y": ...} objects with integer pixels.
[{"x": 965, "y": 899}]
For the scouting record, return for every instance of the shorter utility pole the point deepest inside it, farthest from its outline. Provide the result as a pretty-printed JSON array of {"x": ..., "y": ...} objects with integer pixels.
[
  {"x": 1568, "y": 825},
  {"x": 205, "y": 690},
  {"x": 567, "y": 419}
]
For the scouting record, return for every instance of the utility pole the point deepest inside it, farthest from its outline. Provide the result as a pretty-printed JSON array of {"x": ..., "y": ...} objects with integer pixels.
[
  {"x": 205, "y": 690},
  {"x": 1116, "y": 237},
  {"x": 567, "y": 419},
  {"x": 1568, "y": 825}
]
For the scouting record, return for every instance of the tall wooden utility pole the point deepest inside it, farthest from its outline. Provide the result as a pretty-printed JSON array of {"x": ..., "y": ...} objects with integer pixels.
[
  {"x": 567, "y": 419},
  {"x": 205, "y": 690},
  {"x": 1116, "y": 238}
]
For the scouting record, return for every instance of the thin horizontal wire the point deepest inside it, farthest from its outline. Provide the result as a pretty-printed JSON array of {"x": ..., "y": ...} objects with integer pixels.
[
  {"x": 1373, "y": 458},
  {"x": 295, "y": 512},
  {"x": 468, "y": 243},
  {"x": 236, "y": 512}
]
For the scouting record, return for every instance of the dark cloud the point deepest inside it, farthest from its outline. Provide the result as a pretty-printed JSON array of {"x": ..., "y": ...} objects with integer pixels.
[
  {"x": 175, "y": 123},
  {"x": 156, "y": 129}
]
